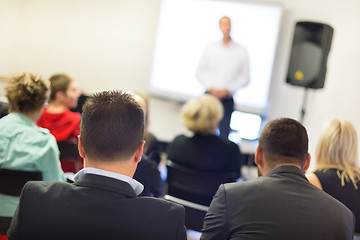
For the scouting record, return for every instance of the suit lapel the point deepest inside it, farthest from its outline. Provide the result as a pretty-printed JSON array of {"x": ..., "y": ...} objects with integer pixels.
[{"x": 106, "y": 183}]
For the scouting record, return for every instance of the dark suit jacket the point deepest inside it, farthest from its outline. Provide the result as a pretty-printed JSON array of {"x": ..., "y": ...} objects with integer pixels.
[
  {"x": 94, "y": 207},
  {"x": 280, "y": 205}
]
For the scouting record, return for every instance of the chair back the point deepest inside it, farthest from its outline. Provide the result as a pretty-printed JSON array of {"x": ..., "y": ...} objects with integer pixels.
[
  {"x": 194, "y": 190},
  {"x": 68, "y": 150},
  {"x": 12, "y": 181},
  {"x": 194, "y": 185}
]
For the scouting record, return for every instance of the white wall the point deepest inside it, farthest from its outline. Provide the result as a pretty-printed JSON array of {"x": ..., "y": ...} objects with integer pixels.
[
  {"x": 102, "y": 44},
  {"x": 339, "y": 97},
  {"x": 108, "y": 44}
]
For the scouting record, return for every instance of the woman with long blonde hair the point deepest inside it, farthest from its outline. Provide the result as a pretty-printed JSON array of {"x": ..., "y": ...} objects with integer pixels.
[{"x": 336, "y": 171}]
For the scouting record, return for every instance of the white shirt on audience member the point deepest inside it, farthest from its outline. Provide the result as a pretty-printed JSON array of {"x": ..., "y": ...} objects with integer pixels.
[{"x": 138, "y": 187}]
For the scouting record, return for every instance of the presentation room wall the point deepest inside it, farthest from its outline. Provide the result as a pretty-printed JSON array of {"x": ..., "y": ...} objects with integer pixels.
[{"x": 109, "y": 45}]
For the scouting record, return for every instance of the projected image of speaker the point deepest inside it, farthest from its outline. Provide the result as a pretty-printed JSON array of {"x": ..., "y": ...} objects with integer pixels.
[{"x": 309, "y": 54}]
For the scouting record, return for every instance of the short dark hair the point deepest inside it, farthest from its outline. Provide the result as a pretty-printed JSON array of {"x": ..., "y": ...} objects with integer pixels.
[
  {"x": 284, "y": 137},
  {"x": 59, "y": 83},
  {"x": 112, "y": 126}
]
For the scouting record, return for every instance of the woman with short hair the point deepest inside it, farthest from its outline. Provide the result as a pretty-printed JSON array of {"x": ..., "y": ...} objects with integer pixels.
[
  {"x": 205, "y": 150},
  {"x": 23, "y": 145}
]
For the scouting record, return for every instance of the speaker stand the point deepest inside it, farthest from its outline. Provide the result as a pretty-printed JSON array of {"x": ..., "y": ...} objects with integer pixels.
[{"x": 303, "y": 107}]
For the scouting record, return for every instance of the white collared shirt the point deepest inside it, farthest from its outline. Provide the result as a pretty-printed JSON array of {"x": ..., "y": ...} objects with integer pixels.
[
  {"x": 224, "y": 67},
  {"x": 138, "y": 187}
]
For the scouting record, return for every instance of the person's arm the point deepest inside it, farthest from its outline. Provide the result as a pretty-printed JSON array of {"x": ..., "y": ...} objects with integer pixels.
[
  {"x": 157, "y": 183},
  {"x": 14, "y": 232},
  {"x": 237, "y": 160},
  {"x": 49, "y": 163},
  {"x": 202, "y": 71},
  {"x": 243, "y": 78},
  {"x": 181, "y": 232},
  {"x": 215, "y": 221}
]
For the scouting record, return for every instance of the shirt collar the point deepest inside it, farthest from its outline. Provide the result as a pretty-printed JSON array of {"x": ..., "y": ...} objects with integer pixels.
[
  {"x": 138, "y": 187},
  {"x": 286, "y": 169},
  {"x": 231, "y": 44}
]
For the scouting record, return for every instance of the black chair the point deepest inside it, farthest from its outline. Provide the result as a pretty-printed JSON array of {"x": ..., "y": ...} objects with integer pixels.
[
  {"x": 11, "y": 183},
  {"x": 81, "y": 101},
  {"x": 69, "y": 152},
  {"x": 4, "y": 108},
  {"x": 194, "y": 190}
]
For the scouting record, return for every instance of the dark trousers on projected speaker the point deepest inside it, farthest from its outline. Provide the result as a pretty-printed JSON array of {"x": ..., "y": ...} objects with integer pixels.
[{"x": 224, "y": 125}]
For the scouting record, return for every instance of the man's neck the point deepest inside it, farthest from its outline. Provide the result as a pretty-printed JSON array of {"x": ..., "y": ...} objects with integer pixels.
[
  {"x": 226, "y": 40},
  {"x": 121, "y": 167},
  {"x": 265, "y": 170}
]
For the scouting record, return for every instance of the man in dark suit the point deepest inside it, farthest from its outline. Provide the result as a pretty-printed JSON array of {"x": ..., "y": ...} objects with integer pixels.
[
  {"x": 281, "y": 204},
  {"x": 102, "y": 203}
]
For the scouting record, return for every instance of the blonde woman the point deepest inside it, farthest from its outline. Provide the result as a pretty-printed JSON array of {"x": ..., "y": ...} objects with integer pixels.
[
  {"x": 23, "y": 145},
  {"x": 336, "y": 172},
  {"x": 204, "y": 150}
]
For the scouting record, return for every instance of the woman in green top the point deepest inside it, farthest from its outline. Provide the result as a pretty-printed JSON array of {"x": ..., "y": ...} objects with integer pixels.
[{"x": 23, "y": 145}]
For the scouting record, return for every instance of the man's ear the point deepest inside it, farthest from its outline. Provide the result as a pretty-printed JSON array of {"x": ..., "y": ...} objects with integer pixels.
[
  {"x": 307, "y": 162},
  {"x": 139, "y": 152},
  {"x": 259, "y": 156},
  {"x": 81, "y": 148}
]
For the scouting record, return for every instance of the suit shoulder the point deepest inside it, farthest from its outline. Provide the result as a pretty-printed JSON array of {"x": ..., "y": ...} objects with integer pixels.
[
  {"x": 40, "y": 187},
  {"x": 162, "y": 203},
  {"x": 248, "y": 186}
]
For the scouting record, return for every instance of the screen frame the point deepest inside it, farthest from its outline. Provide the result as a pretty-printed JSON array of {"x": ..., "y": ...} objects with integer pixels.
[{"x": 181, "y": 96}]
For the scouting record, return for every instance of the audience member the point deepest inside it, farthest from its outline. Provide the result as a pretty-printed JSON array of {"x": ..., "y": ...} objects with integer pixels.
[
  {"x": 148, "y": 174},
  {"x": 336, "y": 172},
  {"x": 23, "y": 145},
  {"x": 205, "y": 150},
  {"x": 103, "y": 202},
  {"x": 153, "y": 147},
  {"x": 281, "y": 204},
  {"x": 147, "y": 171},
  {"x": 62, "y": 123}
]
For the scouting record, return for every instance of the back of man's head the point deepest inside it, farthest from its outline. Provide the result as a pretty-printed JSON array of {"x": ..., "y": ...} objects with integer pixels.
[
  {"x": 284, "y": 141},
  {"x": 112, "y": 126}
]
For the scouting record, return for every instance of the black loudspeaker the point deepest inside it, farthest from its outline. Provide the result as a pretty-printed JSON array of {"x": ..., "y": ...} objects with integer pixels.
[{"x": 309, "y": 53}]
